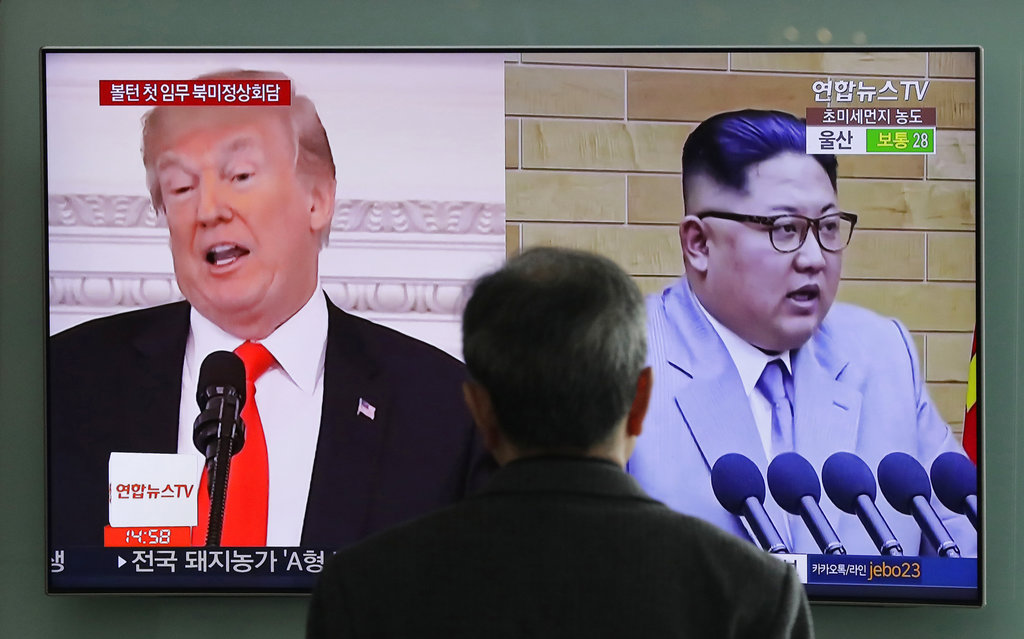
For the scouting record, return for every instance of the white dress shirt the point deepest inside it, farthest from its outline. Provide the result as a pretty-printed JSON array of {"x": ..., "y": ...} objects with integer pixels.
[
  {"x": 750, "y": 362},
  {"x": 290, "y": 400}
]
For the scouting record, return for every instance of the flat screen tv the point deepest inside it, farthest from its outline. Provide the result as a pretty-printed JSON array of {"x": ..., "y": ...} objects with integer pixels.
[{"x": 445, "y": 162}]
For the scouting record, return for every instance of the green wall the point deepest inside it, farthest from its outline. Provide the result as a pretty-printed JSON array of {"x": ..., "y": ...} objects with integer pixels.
[{"x": 26, "y": 25}]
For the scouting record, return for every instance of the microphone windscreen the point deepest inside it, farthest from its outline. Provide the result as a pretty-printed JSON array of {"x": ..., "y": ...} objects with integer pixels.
[
  {"x": 790, "y": 478},
  {"x": 845, "y": 478},
  {"x": 734, "y": 478},
  {"x": 220, "y": 369},
  {"x": 901, "y": 478},
  {"x": 954, "y": 477}
]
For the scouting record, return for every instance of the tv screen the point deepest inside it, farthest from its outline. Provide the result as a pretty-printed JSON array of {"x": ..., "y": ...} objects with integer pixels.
[
  {"x": 375, "y": 177},
  {"x": 448, "y": 161}
]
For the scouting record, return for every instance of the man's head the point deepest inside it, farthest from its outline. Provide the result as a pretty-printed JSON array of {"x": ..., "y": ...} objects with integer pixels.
[
  {"x": 248, "y": 192},
  {"x": 555, "y": 343},
  {"x": 761, "y": 283}
]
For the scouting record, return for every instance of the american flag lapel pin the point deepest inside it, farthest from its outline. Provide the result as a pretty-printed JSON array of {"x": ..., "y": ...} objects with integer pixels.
[{"x": 366, "y": 409}]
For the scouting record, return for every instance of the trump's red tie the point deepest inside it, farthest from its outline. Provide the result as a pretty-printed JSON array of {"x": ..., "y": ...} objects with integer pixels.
[{"x": 245, "y": 511}]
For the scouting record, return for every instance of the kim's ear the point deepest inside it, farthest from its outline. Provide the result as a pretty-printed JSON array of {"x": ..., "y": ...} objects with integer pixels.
[{"x": 693, "y": 238}]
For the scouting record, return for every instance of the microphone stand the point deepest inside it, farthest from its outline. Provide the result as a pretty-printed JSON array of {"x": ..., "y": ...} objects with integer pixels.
[{"x": 221, "y": 427}]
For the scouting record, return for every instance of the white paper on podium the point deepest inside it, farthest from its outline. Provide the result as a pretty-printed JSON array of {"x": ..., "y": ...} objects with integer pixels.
[{"x": 153, "y": 489}]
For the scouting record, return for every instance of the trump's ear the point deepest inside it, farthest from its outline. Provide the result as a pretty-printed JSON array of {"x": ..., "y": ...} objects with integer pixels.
[
  {"x": 321, "y": 203},
  {"x": 693, "y": 238}
]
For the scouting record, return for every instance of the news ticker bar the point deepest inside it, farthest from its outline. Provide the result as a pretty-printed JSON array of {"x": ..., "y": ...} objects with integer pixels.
[
  {"x": 194, "y": 569},
  {"x": 296, "y": 569},
  {"x": 871, "y": 571}
]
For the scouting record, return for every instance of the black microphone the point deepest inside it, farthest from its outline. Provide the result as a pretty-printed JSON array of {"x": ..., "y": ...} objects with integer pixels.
[
  {"x": 795, "y": 487},
  {"x": 955, "y": 480},
  {"x": 739, "y": 487},
  {"x": 218, "y": 432},
  {"x": 905, "y": 485},
  {"x": 850, "y": 484}
]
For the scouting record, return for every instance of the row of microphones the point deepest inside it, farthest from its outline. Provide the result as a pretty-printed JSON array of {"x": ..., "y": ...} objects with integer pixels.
[
  {"x": 851, "y": 487},
  {"x": 218, "y": 431},
  {"x": 905, "y": 485},
  {"x": 955, "y": 480},
  {"x": 795, "y": 487},
  {"x": 740, "y": 488}
]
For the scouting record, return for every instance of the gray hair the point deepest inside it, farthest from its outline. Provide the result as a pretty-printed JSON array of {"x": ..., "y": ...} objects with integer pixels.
[{"x": 558, "y": 339}]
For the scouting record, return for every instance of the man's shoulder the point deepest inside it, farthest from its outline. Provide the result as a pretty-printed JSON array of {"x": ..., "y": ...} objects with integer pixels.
[
  {"x": 537, "y": 547},
  {"x": 519, "y": 536},
  {"x": 490, "y": 516},
  {"x": 844, "y": 314},
  {"x": 120, "y": 328},
  {"x": 656, "y": 302},
  {"x": 729, "y": 569},
  {"x": 389, "y": 347},
  {"x": 706, "y": 539},
  {"x": 672, "y": 314},
  {"x": 855, "y": 325}
]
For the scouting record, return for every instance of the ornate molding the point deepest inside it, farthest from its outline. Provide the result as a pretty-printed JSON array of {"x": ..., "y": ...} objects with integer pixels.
[
  {"x": 102, "y": 211},
  {"x": 119, "y": 294},
  {"x": 126, "y": 293},
  {"x": 398, "y": 297},
  {"x": 350, "y": 216},
  {"x": 419, "y": 216}
]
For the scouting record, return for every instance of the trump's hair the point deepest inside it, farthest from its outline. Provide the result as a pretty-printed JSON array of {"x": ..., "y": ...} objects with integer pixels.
[{"x": 313, "y": 157}]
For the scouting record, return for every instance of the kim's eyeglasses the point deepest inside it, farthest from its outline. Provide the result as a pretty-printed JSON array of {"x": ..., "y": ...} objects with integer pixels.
[{"x": 788, "y": 232}]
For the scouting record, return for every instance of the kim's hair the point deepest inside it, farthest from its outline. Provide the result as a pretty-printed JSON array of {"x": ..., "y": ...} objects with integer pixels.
[
  {"x": 724, "y": 146},
  {"x": 558, "y": 339}
]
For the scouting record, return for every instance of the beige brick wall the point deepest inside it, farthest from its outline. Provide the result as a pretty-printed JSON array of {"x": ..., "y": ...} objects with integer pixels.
[{"x": 593, "y": 142}]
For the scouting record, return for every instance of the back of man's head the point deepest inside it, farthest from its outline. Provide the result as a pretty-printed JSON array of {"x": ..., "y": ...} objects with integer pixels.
[
  {"x": 725, "y": 145},
  {"x": 558, "y": 340}
]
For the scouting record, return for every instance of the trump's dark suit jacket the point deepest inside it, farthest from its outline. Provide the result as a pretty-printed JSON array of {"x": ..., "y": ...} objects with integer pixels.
[
  {"x": 557, "y": 547},
  {"x": 114, "y": 384}
]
